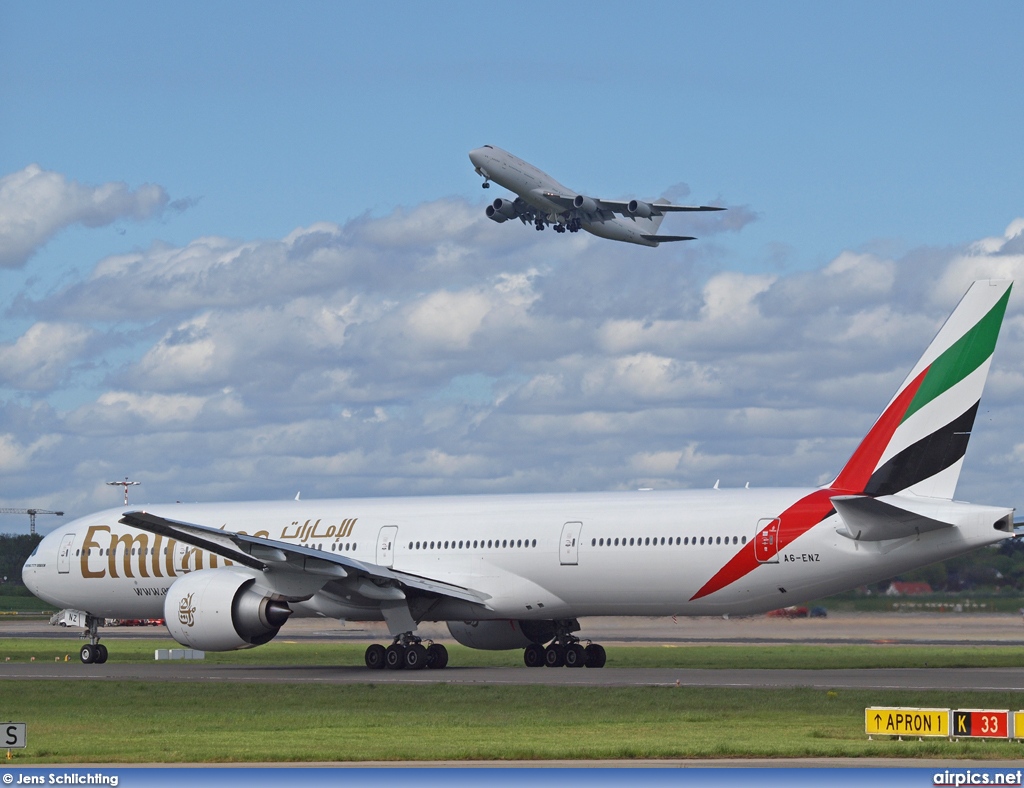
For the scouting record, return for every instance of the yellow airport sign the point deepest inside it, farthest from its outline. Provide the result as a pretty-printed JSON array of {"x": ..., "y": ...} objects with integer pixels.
[
  {"x": 1018, "y": 725},
  {"x": 894, "y": 721}
]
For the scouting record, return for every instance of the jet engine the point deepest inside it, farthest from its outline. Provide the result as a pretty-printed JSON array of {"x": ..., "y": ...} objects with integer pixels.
[
  {"x": 494, "y": 215},
  {"x": 501, "y": 635},
  {"x": 641, "y": 209},
  {"x": 219, "y": 610},
  {"x": 501, "y": 210},
  {"x": 584, "y": 204}
]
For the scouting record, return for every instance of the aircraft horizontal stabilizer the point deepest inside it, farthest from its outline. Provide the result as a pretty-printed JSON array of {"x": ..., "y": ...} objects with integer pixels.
[
  {"x": 660, "y": 238},
  {"x": 668, "y": 208},
  {"x": 870, "y": 519}
]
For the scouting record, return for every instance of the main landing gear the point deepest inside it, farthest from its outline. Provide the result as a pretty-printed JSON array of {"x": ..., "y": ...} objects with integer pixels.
[
  {"x": 93, "y": 652},
  {"x": 406, "y": 653},
  {"x": 565, "y": 651}
]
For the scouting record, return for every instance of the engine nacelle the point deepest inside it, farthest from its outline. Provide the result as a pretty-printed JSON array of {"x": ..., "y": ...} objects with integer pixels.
[
  {"x": 584, "y": 204},
  {"x": 506, "y": 208},
  {"x": 639, "y": 208},
  {"x": 501, "y": 635},
  {"x": 219, "y": 610},
  {"x": 493, "y": 215}
]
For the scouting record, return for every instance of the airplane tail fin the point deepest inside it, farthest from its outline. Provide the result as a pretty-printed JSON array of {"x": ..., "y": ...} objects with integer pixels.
[
  {"x": 658, "y": 218},
  {"x": 918, "y": 443}
]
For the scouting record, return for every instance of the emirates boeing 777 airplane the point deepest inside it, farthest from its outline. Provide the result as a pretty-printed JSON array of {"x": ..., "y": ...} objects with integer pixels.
[
  {"x": 518, "y": 571},
  {"x": 542, "y": 201}
]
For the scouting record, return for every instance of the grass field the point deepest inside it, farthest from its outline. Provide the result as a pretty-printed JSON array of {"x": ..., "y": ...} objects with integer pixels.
[
  {"x": 11, "y": 602},
  {"x": 101, "y": 722},
  {"x": 777, "y": 657},
  {"x": 169, "y": 722}
]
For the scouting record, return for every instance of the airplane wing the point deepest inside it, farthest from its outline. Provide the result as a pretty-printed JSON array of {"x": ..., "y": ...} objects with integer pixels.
[
  {"x": 660, "y": 238},
  {"x": 565, "y": 200},
  {"x": 268, "y": 555},
  {"x": 629, "y": 207}
]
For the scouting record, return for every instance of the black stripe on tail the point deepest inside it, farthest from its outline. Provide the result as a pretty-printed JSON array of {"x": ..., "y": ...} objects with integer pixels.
[{"x": 924, "y": 459}]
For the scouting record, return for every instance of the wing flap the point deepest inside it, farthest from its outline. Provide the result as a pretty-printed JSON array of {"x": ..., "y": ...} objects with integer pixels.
[{"x": 870, "y": 519}]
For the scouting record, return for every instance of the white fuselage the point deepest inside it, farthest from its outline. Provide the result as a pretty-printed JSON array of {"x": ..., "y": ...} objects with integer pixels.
[
  {"x": 550, "y": 556},
  {"x": 531, "y": 183}
]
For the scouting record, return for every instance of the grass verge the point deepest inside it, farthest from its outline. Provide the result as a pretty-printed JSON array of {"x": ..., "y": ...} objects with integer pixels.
[
  {"x": 136, "y": 722},
  {"x": 800, "y": 657}
]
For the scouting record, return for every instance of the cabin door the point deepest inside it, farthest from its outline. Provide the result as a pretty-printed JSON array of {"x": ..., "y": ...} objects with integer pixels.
[
  {"x": 766, "y": 540},
  {"x": 64, "y": 555},
  {"x": 569, "y": 546},
  {"x": 386, "y": 545}
]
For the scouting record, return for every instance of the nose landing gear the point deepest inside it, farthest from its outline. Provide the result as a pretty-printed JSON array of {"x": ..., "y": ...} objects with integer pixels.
[{"x": 93, "y": 652}]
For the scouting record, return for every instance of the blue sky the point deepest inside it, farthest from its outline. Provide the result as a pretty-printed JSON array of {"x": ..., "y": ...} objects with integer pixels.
[{"x": 883, "y": 133}]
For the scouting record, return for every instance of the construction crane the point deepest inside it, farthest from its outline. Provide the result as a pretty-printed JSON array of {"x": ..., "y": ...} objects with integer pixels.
[{"x": 31, "y": 516}]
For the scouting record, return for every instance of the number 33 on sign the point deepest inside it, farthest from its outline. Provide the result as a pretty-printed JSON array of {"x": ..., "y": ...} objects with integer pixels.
[{"x": 980, "y": 724}]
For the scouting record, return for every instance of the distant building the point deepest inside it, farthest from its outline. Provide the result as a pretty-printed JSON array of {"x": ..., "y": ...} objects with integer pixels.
[{"x": 899, "y": 588}]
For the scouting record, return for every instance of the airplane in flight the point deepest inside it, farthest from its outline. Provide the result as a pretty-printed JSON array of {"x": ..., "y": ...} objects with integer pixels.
[
  {"x": 542, "y": 201},
  {"x": 518, "y": 571}
]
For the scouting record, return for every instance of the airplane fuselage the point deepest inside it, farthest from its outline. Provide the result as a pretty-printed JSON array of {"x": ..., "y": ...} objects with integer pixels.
[{"x": 538, "y": 557}]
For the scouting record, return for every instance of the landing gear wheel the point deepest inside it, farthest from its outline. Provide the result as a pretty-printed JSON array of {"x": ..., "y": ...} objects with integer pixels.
[
  {"x": 575, "y": 656},
  {"x": 88, "y": 654},
  {"x": 415, "y": 657},
  {"x": 375, "y": 656},
  {"x": 554, "y": 656},
  {"x": 101, "y": 654},
  {"x": 533, "y": 656},
  {"x": 394, "y": 657},
  {"x": 437, "y": 656},
  {"x": 595, "y": 656}
]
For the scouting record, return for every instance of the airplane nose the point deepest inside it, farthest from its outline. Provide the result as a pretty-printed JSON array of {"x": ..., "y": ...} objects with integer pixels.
[
  {"x": 28, "y": 577},
  {"x": 477, "y": 156}
]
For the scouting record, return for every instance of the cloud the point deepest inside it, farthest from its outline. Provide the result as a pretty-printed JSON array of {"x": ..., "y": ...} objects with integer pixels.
[
  {"x": 430, "y": 350},
  {"x": 36, "y": 204},
  {"x": 41, "y": 358}
]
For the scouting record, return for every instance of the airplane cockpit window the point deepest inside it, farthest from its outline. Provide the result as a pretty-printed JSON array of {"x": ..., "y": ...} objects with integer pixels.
[{"x": 34, "y": 550}]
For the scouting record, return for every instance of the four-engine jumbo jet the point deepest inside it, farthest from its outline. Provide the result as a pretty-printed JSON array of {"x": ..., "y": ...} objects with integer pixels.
[
  {"x": 517, "y": 571},
  {"x": 542, "y": 200}
]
